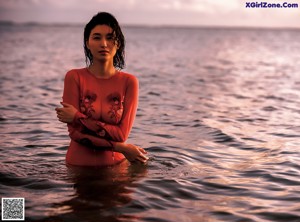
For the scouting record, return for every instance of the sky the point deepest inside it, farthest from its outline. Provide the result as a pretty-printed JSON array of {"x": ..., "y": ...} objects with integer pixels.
[{"x": 154, "y": 12}]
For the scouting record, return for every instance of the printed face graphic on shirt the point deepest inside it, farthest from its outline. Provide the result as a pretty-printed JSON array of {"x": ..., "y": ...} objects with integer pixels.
[
  {"x": 114, "y": 100},
  {"x": 86, "y": 103},
  {"x": 116, "y": 106}
]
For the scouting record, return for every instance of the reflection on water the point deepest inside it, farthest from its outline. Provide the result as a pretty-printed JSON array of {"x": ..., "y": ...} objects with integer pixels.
[
  {"x": 218, "y": 114},
  {"x": 100, "y": 193}
]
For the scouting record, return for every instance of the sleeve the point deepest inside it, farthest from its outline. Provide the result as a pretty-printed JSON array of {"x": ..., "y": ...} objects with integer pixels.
[
  {"x": 77, "y": 131},
  {"x": 119, "y": 132}
]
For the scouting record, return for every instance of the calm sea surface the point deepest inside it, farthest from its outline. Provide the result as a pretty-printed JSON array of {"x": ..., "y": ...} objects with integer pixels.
[{"x": 219, "y": 115}]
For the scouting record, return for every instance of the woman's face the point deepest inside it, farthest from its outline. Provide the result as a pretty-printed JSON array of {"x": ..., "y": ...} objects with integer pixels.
[{"x": 102, "y": 43}]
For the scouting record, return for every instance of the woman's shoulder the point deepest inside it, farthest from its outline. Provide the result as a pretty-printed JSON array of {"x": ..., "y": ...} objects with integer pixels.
[
  {"x": 75, "y": 73},
  {"x": 130, "y": 77}
]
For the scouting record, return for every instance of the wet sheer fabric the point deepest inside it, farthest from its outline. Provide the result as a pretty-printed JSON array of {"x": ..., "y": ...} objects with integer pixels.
[{"x": 106, "y": 112}]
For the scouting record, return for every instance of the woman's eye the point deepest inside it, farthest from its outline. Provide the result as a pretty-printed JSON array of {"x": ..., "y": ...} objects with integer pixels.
[{"x": 110, "y": 37}]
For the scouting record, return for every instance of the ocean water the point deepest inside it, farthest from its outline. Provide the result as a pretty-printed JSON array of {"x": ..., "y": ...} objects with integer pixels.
[{"x": 219, "y": 115}]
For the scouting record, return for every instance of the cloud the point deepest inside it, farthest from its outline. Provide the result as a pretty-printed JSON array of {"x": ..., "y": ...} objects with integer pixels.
[{"x": 151, "y": 12}]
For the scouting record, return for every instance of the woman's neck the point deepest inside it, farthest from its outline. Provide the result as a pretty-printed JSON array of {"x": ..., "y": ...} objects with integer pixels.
[{"x": 102, "y": 70}]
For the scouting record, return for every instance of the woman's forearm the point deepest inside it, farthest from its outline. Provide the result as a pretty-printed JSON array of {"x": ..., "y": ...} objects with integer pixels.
[{"x": 131, "y": 151}]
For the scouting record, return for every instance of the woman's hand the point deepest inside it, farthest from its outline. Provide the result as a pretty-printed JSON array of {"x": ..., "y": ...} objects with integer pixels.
[
  {"x": 67, "y": 113},
  {"x": 131, "y": 152}
]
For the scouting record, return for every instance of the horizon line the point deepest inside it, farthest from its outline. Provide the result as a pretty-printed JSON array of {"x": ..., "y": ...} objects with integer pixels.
[{"x": 34, "y": 23}]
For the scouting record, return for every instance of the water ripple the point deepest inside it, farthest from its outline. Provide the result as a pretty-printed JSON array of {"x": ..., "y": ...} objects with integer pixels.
[{"x": 219, "y": 123}]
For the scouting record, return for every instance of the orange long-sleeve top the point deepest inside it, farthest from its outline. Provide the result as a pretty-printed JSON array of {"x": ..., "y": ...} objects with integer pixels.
[{"x": 106, "y": 112}]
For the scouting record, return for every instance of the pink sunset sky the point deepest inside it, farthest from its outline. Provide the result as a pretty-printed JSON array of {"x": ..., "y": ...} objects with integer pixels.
[{"x": 154, "y": 12}]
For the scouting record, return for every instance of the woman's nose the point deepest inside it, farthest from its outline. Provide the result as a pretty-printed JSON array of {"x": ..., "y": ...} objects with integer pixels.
[{"x": 103, "y": 43}]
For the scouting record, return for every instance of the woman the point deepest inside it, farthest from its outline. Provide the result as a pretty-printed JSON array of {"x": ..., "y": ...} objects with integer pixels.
[{"x": 100, "y": 101}]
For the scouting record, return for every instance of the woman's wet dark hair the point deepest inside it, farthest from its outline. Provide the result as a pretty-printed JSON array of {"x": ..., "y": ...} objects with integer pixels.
[{"x": 105, "y": 18}]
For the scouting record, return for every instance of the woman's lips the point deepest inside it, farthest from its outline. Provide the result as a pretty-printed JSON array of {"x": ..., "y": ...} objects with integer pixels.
[{"x": 103, "y": 52}]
